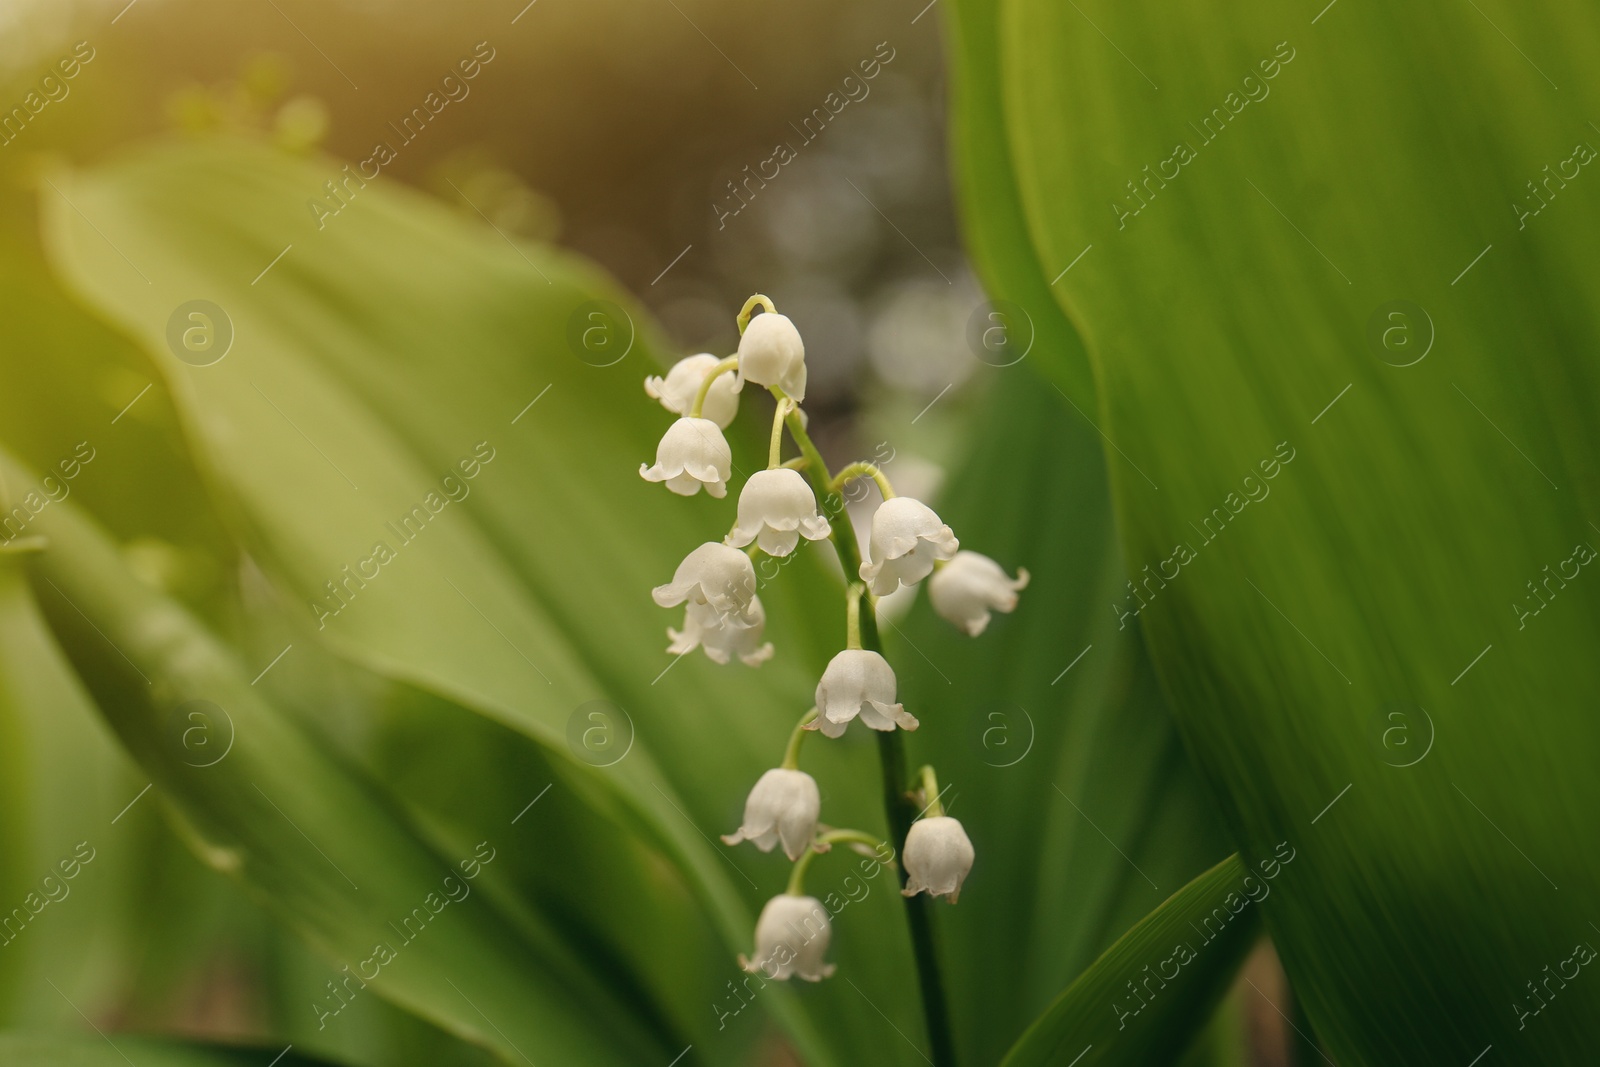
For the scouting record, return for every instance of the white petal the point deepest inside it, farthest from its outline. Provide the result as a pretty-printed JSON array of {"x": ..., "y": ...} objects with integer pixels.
[
  {"x": 678, "y": 389},
  {"x": 859, "y": 682},
  {"x": 775, "y": 506},
  {"x": 898, "y": 524},
  {"x": 938, "y": 856},
  {"x": 714, "y": 575},
  {"x": 829, "y": 728},
  {"x": 907, "y": 537},
  {"x": 792, "y": 936},
  {"x": 692, "y": 452},
  {"x": 758, "y": 656},
  {"x": 771, "y": 353},
  {"x": 814, "y": 527},
  {"x": 784, "y": 803},
  {"x": 965, "y": 590},
  {"x": 776, "y": 542},
  {"x": 726, "y": 635}
]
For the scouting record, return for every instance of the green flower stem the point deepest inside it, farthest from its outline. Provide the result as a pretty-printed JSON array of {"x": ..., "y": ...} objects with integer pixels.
[
  {"x": 898, "y": 806},
  {"x": 750, "y": 306},
  {"x": 775, "y": 449},
  {"x": 930, "y": 792},
  {"x": 854, "y": 594},
  {"x": 791, "y": 754},
  {"x": 858, "y": 837},
  {"x": 705, "y": 386},
  {"x": 797, "y": 876},
  {"x": 863, "y": 469}
]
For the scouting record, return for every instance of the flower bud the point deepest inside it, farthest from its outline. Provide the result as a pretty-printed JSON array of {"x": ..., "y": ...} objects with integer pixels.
[
  {"x": 938, "y": 856},
  {"x": 791, "y": 938},
  {"x": 682, "y": 384},
  {"x": 775, "y": 508},
  {"x": 692, "y": 453},
  {"x": 965, "y": 590},
  {"x": 784, "y": 805},
  {"x": 859, "y": 682},
  {"x": 907, "y": 537},
  {"x": 770, "y": 353}
]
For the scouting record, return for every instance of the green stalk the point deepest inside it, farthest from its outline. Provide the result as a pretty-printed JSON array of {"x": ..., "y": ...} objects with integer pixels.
[
  {"x": 797, "y": 737},
  {"x": 722, "y": 367},
  {"x": 900, "y": 809},
  {"x": 930, "y": 792},
  {"x": 863, "y": 469},
  {"x": 775, "y": 449},
  {"x": 797, "y": 876},
  {"x": 854, "y": 597}
]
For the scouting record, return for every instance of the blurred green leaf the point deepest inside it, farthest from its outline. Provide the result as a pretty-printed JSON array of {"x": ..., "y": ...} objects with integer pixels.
[
  {"x": 1126, "y": 1008},
  {"x": 1049, "y": 729},
  {"x": 150, "y": 936},
  {"x": 994, "y": 230},
  {"x": 387, "y": 904},
  {"x": 1346, "y": 556},
  {"x": 39, "y": 1050},
  {"x": 134, "y": 912}
]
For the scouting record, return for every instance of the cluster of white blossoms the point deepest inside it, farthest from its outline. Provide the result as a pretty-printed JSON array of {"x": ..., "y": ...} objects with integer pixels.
[{"x": 716, "y": 584}]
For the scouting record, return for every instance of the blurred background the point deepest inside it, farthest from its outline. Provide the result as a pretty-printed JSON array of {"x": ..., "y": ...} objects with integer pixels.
[{"x": 634, "y": 133}]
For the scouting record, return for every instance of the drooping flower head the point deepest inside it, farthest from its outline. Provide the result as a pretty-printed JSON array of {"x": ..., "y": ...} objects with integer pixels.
[
  {"x": 682, "y": 384},
  {"x": 970, "y": 586},
  {"x": 859, "y": 682},
  {"x": 938, "y": 857},
  {"x": 784, "y": 805},
  {"x": 777, "y": 507},
  {"x": 907, "y": 537},
  {"x": 771, "y": 353},
  {"x": 791, "y": 938},
  {"x": 723, "y": 636},
  {"x": 713, "y": 576},
  {"x": 692, "y": 454}
]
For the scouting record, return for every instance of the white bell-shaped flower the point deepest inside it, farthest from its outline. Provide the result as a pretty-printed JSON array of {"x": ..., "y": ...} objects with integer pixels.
[
  {"x": 771, "y": 353},
  {"x": 791, "y": 938},
  {"x": 906, "y": 539},
  {"x": 970, "y": 586},
  {"x": 776, "y": 507},
  {"x": 723, "y": 636},
  {"x": 682, "y": 384},
  {"x": 692, "y": 453},
  {"x": 716, "y": 577},
  {"x": 859, "y": 682},
  {"x": 783, "y": 806},
  {"x": 938, "y": 857}
]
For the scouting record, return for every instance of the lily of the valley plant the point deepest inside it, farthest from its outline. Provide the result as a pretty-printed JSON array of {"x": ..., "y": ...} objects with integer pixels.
[{"x": 716, "y": 583}]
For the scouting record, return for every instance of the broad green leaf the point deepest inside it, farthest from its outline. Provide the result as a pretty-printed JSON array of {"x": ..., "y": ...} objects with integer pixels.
[
  {"x": 1048, "y": 729},
  {"x": 50, "y": 735},
  {"x": 41, "y": 1050},
  {"x": 139, "y": 906},
  {"x": 379, "y": 352},
  {"x": 145, "y": 917},
  {"x": 994, "y": 230},
  {"x": 96, "y": 889},
  {"x": 1124, "y": 809},
  {"x": 1358, "y": 578},
  {"x": 312, "y": 840},
  {"x": 564, "y": 859},
  {"x": 1151, "y": 992}
]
